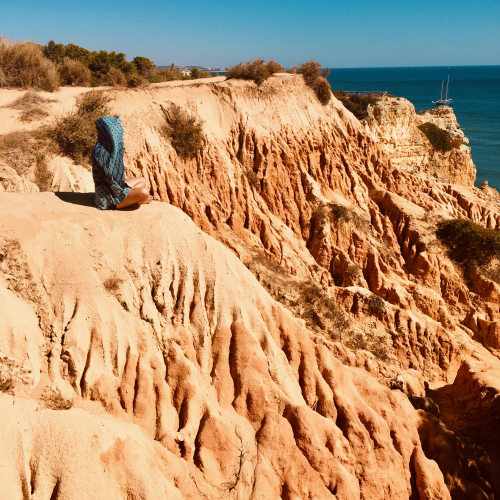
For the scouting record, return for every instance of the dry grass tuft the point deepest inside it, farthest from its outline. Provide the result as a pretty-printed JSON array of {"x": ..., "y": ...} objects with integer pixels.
[
  {"x": 52, "y": 399},
  {"x": 76, "y": 133},
  {"x": 253, "y": 179},
  {"x": 22, "y": 64},
  {"x": 33, "y": 114},
  {"x": 257, "y": 70},
  {"x": 12, "y": 374},
  {"x": 112, "y": 284},
  {"x": 21, "y": 150},
  {"x": 28, "y": 100},
  {"x": 31, "y": 104},
  {"x": 42, "y": 175},
  {"x": 378, "y": 344},
  {"x": 185, "y": 132}
]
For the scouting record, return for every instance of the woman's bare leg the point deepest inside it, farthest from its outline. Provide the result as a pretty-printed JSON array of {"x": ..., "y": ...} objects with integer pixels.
[
  {"x": 136, "y": 182},
  {"x": 139, "y": 195}
]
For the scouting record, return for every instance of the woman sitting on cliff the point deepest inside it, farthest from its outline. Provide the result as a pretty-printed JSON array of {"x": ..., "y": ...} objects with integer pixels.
[{"x": 111, "y": 188}]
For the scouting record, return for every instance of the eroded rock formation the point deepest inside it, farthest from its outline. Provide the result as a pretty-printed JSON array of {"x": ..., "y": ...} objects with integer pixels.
[{"x": 186, "y": 370}]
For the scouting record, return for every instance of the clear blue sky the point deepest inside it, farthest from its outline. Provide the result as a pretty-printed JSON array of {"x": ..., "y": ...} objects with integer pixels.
[{"x": 344, "y": 34}]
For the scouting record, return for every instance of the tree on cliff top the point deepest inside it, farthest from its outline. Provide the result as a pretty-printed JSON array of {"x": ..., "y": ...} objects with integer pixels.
[{"x": 144, "y": 65}]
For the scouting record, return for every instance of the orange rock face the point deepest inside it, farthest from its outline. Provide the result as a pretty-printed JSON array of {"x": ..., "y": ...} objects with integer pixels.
[{"x": 195, "y": 345}]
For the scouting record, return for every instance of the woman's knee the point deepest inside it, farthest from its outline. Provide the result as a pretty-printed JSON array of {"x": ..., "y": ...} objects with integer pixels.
[
  {"x": 142, "y": 182},
  {"x": 143, "y": 192}
]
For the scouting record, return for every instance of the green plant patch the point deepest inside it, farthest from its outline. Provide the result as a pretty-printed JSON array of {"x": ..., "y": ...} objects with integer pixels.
[
  {"x": 469, "y": 243},
  {"x": 438, "y": 137}
]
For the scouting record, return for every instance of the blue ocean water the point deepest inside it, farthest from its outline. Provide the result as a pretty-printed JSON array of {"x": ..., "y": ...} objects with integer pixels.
[{"x": 476, "y": 94}]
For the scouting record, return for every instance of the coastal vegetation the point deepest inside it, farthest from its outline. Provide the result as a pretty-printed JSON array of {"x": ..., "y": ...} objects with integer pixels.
[
  {"x": 45, "y": 67},
  {"x": 22, "y": 64},
  {"x": 257, "y": 70},
  {"x": 75, "y": 133},
  {"x": 471, "y": 245},
  {"x": 185, "y": 132},
  {"x": 315, "y": 77},
  {"x": 438, "y": 137},
  {"x": 356, "y": 104}
]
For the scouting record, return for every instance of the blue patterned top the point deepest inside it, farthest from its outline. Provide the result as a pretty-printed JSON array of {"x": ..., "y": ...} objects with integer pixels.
[{"x": 107, "y": 164}]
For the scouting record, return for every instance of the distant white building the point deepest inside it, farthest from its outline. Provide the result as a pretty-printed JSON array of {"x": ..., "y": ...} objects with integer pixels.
[{"x": 186, "y": 72}]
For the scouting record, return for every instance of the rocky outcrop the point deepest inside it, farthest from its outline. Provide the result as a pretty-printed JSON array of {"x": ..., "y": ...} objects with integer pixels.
[{"x": 394, "y": 124}]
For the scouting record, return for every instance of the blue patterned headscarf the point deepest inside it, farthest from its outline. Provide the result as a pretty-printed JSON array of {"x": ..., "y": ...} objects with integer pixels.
[{"x": 107, "y": 163}]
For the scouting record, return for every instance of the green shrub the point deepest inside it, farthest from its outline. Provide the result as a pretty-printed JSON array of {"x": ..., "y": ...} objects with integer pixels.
[
  {"x": 469, "y": 243},
  {"x": 342, "y": 215},
  {"x": 74, "y": 73},
  {"x": 22, "y": 64},
  {"x": 185, "y": 132},
  {"x": 116, "y": 78},
  {"x": 311, "y": 71},
  {"x": 376, "y": 304},
  {"x": 323, "y": 91},
  {"x": 438, "y": 137},
  {"x": 356, "y": 104},
  {"x": 76, "y": 133},
  {"x": 135, "y": 81},
  {"x": 315, "y": 77},
  {"x": 257, "y": 70}
]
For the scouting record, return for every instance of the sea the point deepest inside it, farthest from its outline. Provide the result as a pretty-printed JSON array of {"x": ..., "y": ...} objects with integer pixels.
[{"x": 474, "y": 89}]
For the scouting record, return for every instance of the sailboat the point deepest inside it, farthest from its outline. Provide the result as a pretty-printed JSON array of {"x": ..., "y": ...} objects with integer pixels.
[{"x": 445, "y": 101}]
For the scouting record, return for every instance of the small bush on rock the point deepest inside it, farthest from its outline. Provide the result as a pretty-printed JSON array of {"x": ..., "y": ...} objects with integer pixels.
[
  {"x": 135, "y": 81},
  {"x": 185, "y": 132},
  {"x": 376, "y": 304},
  {"x": 438, "y": 137},
  {"x": 323, "y": 91},
  {"x": 76, "y": 133},
  {"x": 257, "y": 70},
  {"x": 74, "y": 73},
  {"x": 315, "y": 77},
  {"x": 469, "y": 243},
  {"x": 54, "y": 400}
]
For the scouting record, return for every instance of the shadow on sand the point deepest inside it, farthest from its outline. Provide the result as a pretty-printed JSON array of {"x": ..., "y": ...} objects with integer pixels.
[
  {"x": 83, "y": 199},
  {"x": 87, "y": 200}
]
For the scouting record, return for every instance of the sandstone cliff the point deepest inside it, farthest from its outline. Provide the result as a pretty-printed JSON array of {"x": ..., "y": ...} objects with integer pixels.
[
  {"x": 140, "y": 318},
  {"x": 395, "y": 125}
]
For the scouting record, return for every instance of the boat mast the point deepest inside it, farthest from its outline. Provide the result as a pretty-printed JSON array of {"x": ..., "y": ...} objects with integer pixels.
[
  {"x": 447, "y": 85},
  {"x": 442, "y": 83}
]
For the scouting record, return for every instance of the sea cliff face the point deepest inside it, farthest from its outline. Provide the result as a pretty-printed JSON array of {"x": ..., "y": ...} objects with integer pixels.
[
  {"x": 394, "y": 124},
  {"x": 273, "y": 328}
]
